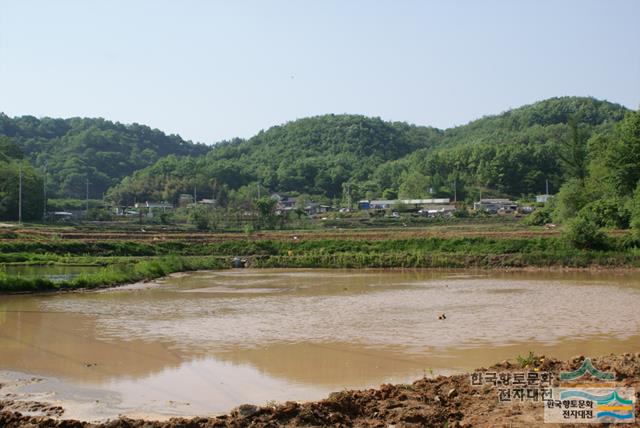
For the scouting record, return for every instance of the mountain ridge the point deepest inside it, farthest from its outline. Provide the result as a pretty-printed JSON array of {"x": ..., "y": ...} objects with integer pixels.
[{"x": 319, "y": 155}]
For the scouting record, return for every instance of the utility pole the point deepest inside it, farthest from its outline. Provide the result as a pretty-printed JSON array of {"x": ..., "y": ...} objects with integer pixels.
[
  {"x": 455, "y": 190},
  {"x": 195, "y": 184},
  {"x": 20, "y": 194},
  {"x": 44, "y": 192},
  {"x": 87, "y": 195},
  {"x": 547, "y": 184}
]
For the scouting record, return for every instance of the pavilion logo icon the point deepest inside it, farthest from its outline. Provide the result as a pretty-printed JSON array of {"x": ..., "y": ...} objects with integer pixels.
[{"x": 587, "y": 367}]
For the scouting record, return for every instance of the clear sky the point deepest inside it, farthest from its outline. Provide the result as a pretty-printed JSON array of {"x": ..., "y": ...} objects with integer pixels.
[{"x": 212, "y": 70}]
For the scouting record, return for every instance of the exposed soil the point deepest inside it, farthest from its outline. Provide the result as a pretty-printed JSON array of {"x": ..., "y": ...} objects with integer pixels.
[
  {"x": 475, "y": 230},
  {"x": 429, "y": 402}
]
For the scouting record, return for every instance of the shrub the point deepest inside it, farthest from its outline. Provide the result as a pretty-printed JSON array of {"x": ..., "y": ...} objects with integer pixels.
[
  {"x": 610, "y": 212},
  {"x": 584, "y": 233},
  {"x": 539, "y": 217},
  {"x": 634, "y": 208},
  {"x": 98, "y": 214},
  {"x": 571, "y": 198},
  {"x": 200, "y": 218}
]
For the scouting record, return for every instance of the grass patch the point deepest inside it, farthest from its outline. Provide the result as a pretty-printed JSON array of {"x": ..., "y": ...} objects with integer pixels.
[
  {"x": 113, "y": 274},
  {"x": 529, "y": 360}
]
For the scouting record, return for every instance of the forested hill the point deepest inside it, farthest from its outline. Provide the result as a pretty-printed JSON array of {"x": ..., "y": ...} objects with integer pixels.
[
  {"x": 79, "y": 148},
  {"x": 328, "y": 156},
  {"x": 516, "y": 124},
  {"x": 314, "y": 155}
]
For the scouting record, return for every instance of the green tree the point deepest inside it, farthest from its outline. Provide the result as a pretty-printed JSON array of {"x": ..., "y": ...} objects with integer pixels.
[
  {"x": 623, "y": 156},
  {"x": 634, "y": 208},
  {"x": 266, "y": 210},
  {"x": 32, "y": 198},
  {"x": 571, "y": 198},
  {"x": 584, "y": 233},
  {"x": 607, "y": 212},
  {"x": 573, "y": 151},
  {"x": 199, "y": 217},
  {"x": 414, "y": 185},
  {"x": 8, "y": 150}
]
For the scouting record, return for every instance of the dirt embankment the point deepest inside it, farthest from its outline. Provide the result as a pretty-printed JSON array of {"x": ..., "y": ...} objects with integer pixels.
[
  {"x": 429, "y": 402},
  {"x": 459, "y": 231}
]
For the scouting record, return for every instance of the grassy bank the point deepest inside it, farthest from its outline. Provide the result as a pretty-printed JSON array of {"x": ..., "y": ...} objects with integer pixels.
[
  {"x": 113, "y": 274},
  {"x": 20, "y": 250},
  {"x": 448, "y": 260},
  {"x": 128, "y": 261},
  {"x": 536, "y": 250}
]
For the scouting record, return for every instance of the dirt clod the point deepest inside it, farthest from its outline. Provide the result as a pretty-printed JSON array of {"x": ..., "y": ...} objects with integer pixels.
[{"x": 444, "y": 401}]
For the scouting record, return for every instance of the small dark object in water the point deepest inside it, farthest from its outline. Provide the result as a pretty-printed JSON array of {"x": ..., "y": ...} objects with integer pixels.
[
  {"x": 442, "y": 317},
  {"x": 237, "y": 262}
]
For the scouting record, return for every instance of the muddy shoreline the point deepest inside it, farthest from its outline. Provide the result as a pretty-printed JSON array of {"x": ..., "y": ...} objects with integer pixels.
[
  {"x": 144, "y": 283},
  {"x": 450, "y": 401}
]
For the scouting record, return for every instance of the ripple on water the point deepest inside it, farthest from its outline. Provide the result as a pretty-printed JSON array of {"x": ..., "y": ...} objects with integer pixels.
[{"x": 222, "y": 312}]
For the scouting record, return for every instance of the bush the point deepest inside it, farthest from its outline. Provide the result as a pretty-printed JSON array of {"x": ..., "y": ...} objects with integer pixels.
[
  {"x": 462, "y": 212},
  {"x": 200, "y": 218},
  {"x": 540, "y": 216},
  {"x": 571, "y": 198},
  {"x": 584, "y": 233},
  {"x": 610, "y": 213},
  {"x": 98, "y": 214},
  {"x": 634, "y": 208}
]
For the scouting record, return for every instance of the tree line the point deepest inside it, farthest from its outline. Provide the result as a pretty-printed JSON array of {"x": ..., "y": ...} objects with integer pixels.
[{"x": 584, "y": 149}]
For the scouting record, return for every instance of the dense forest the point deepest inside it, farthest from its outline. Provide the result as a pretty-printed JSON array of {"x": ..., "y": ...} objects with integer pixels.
[
  {"x": 587, "y": 150},
  {"x": 337, "y": 157},
  {"x": 79, "y": 149}
]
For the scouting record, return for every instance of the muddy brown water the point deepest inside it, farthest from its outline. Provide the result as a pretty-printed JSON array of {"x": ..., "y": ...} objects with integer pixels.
[{"x": 202, "y": 343}]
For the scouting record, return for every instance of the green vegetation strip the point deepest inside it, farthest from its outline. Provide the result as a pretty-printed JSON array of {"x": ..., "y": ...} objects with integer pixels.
[
  {"x": 113, "y": 274},
  {"x": 54, "y": 250},
  {"x": 126, "y": 262}
]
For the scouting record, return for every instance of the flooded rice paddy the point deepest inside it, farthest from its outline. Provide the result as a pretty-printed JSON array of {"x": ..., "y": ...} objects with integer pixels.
[
  {"x": 202, "y": 343},
  {"x": 54, "y": 273}
]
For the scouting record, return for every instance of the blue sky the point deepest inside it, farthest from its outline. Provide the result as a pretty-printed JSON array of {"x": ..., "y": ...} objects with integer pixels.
[{"x": 212, "y": 70}]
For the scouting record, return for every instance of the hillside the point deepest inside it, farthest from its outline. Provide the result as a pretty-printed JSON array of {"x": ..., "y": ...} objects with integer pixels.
[
  {"x": 328, "y": 157},
  {"x": 79, "y": 148},
  {"x": 549, "y": 114},
  {"x": 512, "y": 153},
  {"x": 314, "y": 155}
]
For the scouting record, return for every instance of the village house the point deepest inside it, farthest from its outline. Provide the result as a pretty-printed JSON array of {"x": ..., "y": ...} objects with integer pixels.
[
  {"x": 381, "y": 204},
  {"x": 284, "y": 202},
  {"x": 207, "y": 203},
  {"x": 434, "y": 210},
  {"x": 152, "y": 208},
  {"x": 495, "y": 205},
  {"x": 185, "y": 199},
  {"x": 314, "y": 208},
  {"x": 543, "y": 199}
]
